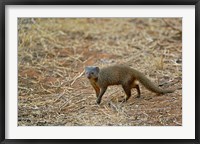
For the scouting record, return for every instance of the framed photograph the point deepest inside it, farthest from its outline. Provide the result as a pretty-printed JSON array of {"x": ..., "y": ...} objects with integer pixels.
[{"x": 99, "y": 72}]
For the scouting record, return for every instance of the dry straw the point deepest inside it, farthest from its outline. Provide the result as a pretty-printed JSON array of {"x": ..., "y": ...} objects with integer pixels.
[{"x": 52, "y": 54}]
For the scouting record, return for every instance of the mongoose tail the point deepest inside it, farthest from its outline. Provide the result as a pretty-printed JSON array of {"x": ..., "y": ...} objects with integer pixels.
[{"x": 151, "y": 86}]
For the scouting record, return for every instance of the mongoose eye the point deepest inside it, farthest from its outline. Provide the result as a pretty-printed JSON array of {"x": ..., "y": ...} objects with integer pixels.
[{"x": 92, "y": 73}]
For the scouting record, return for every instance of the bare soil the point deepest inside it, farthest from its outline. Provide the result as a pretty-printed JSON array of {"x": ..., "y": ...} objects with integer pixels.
[{"x": 52, "y": 55}]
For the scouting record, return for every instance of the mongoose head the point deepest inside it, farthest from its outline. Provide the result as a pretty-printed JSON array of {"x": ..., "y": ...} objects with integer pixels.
[{"x": 92, "y": 72}]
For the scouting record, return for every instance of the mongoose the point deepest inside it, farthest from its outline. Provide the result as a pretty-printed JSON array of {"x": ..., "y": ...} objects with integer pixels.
[{"x": 128, "y": 77}]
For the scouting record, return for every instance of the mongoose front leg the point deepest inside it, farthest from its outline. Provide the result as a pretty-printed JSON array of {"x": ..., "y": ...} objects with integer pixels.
[
  {"x": 97, "y": 90},
  {"x": 102, "y": 91}
]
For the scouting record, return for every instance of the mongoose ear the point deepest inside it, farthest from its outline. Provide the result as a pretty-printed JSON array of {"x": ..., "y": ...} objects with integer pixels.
[{"x": 97, "y": 69}]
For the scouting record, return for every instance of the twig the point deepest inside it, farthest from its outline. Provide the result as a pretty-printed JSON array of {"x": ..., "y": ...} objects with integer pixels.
[
  {"x": 77, "y": 77},
  {"x": 59, "y": 96},
  {"x": 45, "y": 89}
]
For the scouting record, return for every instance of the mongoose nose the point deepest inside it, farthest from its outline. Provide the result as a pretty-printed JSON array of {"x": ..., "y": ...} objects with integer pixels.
[{"x": 88, "y": 75}]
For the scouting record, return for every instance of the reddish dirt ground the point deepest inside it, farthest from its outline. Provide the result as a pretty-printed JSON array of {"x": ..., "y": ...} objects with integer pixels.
[{"x": 52, "y": 55}]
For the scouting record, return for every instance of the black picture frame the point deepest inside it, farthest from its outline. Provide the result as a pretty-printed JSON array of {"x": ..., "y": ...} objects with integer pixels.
[{"x": 4, "y": 3}]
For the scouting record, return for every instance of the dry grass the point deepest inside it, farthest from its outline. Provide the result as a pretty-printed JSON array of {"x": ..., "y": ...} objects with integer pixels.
[{"x": 52, "y": 54}]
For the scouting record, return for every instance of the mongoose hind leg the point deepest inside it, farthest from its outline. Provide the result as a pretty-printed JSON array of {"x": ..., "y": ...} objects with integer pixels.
[
  {"x": 135, "y": 84},
  {"x": 138, "y": 91},
  {"x": 127, "y": 90}
]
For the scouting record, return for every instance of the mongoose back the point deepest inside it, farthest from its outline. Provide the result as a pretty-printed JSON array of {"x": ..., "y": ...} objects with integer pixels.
[{"x": 128, "y": 77}]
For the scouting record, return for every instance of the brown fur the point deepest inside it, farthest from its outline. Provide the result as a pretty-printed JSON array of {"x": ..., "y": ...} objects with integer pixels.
[{"x": 119, "y": 75}]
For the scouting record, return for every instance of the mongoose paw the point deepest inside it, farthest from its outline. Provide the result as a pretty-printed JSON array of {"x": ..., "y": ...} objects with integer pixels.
[
  {"x": 98, "y": 101},
  {"x": 159, "y": 94},
  {"x": 122, "y": 100},
  {"x": 138, "y": 96}
]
